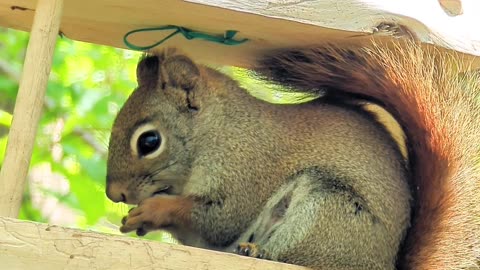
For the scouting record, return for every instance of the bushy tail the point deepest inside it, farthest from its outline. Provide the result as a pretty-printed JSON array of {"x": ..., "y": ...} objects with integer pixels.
[{"x": 439, "y": 110}]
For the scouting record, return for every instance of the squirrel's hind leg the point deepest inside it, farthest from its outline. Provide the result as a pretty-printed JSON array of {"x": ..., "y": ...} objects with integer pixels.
[
  {"x": 251, "y": 242},
  {"x": 318, "y": 221}
]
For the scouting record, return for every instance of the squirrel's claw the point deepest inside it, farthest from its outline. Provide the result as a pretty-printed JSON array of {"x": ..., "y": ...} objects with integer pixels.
[{"x": 251, "y": 250}]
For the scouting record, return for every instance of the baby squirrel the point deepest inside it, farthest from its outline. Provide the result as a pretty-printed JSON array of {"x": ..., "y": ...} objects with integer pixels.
[{"x": 320, "y": 184}]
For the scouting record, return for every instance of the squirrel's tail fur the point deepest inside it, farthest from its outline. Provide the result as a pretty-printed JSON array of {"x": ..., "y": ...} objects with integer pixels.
[{"x": 439, "y": 110}]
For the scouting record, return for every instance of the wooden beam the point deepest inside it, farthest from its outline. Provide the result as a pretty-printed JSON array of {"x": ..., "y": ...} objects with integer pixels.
[
  {"x": 28, "y": 106},
  {"x": 268, "y": 24},
  {"x": 447, "y": 23},
  {"x": 30, "y": 245}
]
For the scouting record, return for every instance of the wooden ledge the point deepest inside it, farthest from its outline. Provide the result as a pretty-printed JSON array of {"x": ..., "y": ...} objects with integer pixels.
[
  {"x": 267, "y": 23},
  {"x": 31, "y": 245}
]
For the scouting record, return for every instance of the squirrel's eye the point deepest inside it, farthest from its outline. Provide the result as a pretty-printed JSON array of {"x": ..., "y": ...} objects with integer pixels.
[{"x": 148, "y": 142}]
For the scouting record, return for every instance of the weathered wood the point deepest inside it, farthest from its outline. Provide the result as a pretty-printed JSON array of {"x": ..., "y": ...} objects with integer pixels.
[
  {"x": 28, "y": 106},
  {"x": 30, "y": 245},
  {"x": 447, "y": 23},
  {"x": 267, "y": 23}
]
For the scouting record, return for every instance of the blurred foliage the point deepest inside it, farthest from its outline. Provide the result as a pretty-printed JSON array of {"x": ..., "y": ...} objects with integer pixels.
[{"x": 87, "y": 86}]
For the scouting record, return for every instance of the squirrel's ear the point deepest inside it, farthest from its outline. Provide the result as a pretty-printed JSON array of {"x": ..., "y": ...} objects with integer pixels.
[
  {"x": 179, "y": 71},
  {"x": 147, "y": 70}
]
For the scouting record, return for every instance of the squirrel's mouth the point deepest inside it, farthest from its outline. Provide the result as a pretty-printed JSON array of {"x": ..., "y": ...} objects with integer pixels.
[{"x": 162, "y": 191}]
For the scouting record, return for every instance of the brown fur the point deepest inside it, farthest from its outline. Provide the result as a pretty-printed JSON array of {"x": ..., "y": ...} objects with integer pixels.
[
  {"x": 239, "y": 158},
  {"x": 237, "y": 168},
  {"x": 440, "y": 114}
]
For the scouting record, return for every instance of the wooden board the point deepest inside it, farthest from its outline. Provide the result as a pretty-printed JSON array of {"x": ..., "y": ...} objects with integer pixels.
[
  {"x": 30, "y": 245},
  {"x": 268, "y": 24}
]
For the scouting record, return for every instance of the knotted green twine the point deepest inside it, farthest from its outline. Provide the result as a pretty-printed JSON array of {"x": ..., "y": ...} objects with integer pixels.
[{"x": 226, "y": 39}]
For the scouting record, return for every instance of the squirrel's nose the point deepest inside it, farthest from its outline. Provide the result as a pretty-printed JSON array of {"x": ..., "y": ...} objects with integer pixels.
[{"x": 115, "y": 193}]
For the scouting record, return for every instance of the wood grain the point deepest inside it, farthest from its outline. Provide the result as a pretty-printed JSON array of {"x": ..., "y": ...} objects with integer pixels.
[
  {"x": 30, "y": 245},
  {"x": 269, "y": 24}
]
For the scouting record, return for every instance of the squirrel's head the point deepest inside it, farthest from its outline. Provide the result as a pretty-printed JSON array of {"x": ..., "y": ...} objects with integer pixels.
[{"x": 150, "y": 150}]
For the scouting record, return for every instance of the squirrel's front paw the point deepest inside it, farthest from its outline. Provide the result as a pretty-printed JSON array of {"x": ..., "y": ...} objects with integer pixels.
[
  {"x": 151, "y": 214},
  {"x": 251, "y": 250},
  {"x": 158, "y": 212}
]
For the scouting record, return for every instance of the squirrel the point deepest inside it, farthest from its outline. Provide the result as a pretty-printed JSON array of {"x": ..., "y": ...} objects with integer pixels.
[{"x": 322, "y": 183}]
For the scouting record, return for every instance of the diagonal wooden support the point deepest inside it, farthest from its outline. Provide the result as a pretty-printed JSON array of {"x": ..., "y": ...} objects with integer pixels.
[{"x": 28, "y": 106}]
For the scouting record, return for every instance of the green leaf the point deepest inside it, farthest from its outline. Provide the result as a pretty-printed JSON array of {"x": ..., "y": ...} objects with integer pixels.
[
  {"x": 3, "y": 145},
  {"x": 5, "y": 118},
  {"x": 90, "y": 197}
]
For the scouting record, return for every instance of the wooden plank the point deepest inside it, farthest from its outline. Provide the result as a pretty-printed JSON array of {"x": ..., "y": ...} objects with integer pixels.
[
  {"x": 29, "y": 104},
  {"x": 267, "y": 23},
  {"x": 30, "y": 245},
  {"x": 447, "y": 23}
]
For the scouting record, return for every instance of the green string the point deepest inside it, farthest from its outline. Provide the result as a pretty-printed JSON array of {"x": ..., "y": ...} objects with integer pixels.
[{"x": 226, "y": 39}]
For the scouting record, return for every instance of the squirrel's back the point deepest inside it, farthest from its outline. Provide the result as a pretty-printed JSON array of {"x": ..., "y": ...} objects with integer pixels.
[{"x": 439, "y": 111}]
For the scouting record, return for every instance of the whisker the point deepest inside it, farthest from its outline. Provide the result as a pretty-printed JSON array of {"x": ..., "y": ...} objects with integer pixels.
[{"x": 157, "y": 171}]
